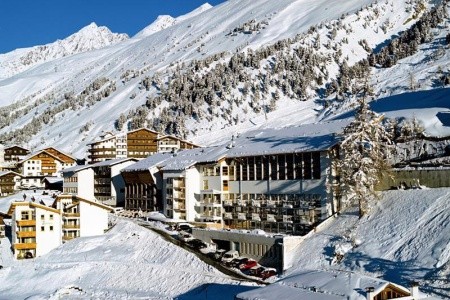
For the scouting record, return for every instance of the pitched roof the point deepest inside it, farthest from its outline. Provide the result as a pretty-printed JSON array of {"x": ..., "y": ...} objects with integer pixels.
[
  {"x": 30, "y": 204},
  {"x": 305, "y": 138},
  {"x": 16, "y": 146},
  {"x": 3, "y": 173},
  {"x": 39, "y": 152},
  {"x": 61, "y": 153},
  {"x": 112, "y": 162},
  {"x": 333, "y": 283}
]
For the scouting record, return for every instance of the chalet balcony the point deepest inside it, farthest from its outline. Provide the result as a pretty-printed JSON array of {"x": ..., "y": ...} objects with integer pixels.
[
  {"x": 256, "y": 203},
  {"x": 271, "y": 203},
  {"x": 24, "y": 246},
  {"x": 179, "y": 206},
  {"x": 22, "y": 223},
  {"x": 26, "y": 234},
  {"x": 256, "y": 217},
  {"x": 71, "y": 226},
  {"x": 67, "y": 216},
  {"x": 271, "y": 218},
  {"x": 100, "y": 156},
  {"x": 100, "y": 149},
  {"x": 68, "y": 237},
  {"x": 228, "y": 216},
  {"x": 241, "y": 203},
  {"x": 228, "y": 203},
  {"x": 242, "y": 216}
]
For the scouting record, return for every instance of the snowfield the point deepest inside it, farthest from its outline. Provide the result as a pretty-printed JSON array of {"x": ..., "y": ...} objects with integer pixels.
[
  {"x": 128, "y": 262},
  {"x": 406, "y": 237}
]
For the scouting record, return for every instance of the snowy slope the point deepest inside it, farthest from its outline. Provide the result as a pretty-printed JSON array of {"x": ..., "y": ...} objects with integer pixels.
[
  {"x": 165, "y": 21},
  {"x": 405, "y": 238},
  {"x": 128, "y": 262},
  {"x": 197, "y": 36},
  {"x": 88, "y": 38}
]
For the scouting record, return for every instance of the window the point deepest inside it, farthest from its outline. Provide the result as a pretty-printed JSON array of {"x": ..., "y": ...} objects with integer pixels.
[
  {"x": 51, "y": 228},
  {"x": 42, "y": 228},
  {"x": 205, "y": 184},
  {"x": 51, "y": 217},
  {"x": 225, "y": 185},
  {"x": 42, "y": 217}
]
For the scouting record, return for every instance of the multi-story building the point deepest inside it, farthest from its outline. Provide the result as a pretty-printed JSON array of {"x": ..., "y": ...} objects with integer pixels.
[
  {"x": 138, "y": 143},
  {"x": 101, "y": 181},
  {"x": 36, "y": 229},
  {"x": 278, "y": 180},
  {"x": 170, "y": 143},
  {"x": 81, "y": 217},
  {"x": 36, "y": 166},
  {"x": 144, "y": 184},
  {"x": 9, "y": 182},
  {"x": 15, "y": 153}
]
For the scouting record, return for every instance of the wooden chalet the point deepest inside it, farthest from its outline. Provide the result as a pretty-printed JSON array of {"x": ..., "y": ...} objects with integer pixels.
[
  {"x": 9, "y": 182},
  {"x": 15, "y": 153},
  {"x": 142, "y": 143}
]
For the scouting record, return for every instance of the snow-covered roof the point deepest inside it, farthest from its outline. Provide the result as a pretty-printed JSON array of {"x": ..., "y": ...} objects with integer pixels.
[
  {"x": 77, "y": 168},
  {"x": 311, "y": 137},
  {"x": 106, "y": 163},
  {"x": 53, "y": 179},
  {"x": 2, "y": 173},
  {"x": 112, "y": 162},
  {"x": 327, "y": 285},
  {"x": 149, "y": 162},
  {"x": 38, "y": 152}
]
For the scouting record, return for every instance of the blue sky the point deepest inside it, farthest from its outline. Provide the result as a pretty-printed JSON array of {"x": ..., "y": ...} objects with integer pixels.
[{"x": 26, "y": 23}]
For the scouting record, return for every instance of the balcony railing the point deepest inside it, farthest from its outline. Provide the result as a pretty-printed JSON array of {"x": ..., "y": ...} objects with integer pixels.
[
  {"x": 71, "y": 226},
  {"x": 26, "y": 223},
  {"x": 242, "y": 216},
  {"x": 26, "y": 234},
  {"x": 70, "y": 215},
  {"x": 228, "y": 216},
  {"x": 24, "y": 246}
]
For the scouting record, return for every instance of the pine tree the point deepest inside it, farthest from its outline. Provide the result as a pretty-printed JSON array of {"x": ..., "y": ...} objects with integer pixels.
[{"x": 365, "y": 148}]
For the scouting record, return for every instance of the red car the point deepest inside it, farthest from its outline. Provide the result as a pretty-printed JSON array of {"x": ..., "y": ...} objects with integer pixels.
[
  {"x": 267, "y": 273},
  {"x": 250, "y": 263}
]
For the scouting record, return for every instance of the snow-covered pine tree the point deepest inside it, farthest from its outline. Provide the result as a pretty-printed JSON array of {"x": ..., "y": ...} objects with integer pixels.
[{"x": 365, "y": 148}]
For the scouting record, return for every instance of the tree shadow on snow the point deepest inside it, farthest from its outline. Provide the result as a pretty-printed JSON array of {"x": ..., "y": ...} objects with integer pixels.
[
  {"x": 215, "y": 291},
  {"x": 400, "y": 272}
]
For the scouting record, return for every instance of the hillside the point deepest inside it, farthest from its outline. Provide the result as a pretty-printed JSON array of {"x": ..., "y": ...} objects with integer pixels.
[
  {"x": 130, "y": 262},
  {"x": 225, "y": 69}
]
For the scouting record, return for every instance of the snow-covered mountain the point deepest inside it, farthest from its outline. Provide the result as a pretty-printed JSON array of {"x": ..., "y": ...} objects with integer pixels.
[
  {"x": 88, "y": 38},
  {"x": 234, "y": 67},
  {"x": 165, "y": 21}
]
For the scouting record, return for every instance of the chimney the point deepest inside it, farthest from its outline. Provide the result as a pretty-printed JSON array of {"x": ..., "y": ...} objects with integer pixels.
[
  {"x": 414, "y": 289},
  {"x": 370, "y": 293}
]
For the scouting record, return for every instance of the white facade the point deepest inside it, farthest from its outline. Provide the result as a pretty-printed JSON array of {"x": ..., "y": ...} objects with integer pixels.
[
  {"x": 79, "y": 183},
  {"x": 36, "y": 229},
  {"x": 82, "y": 217},
  {"x": 93, "y": 218}
]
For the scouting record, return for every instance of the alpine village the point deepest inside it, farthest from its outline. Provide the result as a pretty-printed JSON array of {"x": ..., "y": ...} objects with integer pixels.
[{"x": 250, "y": 150}]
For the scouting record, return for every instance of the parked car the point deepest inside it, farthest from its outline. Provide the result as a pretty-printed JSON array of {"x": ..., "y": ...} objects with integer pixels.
[
  {"x": 236, "y": 262},
  {"x": 230, "y": 255},
  {"x": 218, "y": 254},
  {"x": 210, "y": 248},
  {"x": 185, "y": 237},
  {"x": 250, "y": 263},
  {"x": 256, "y": 271},
  {"x": 267, "y": 273},
  {"x": 197, "y": 244},
  {"x": 186, "y": 227}
]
